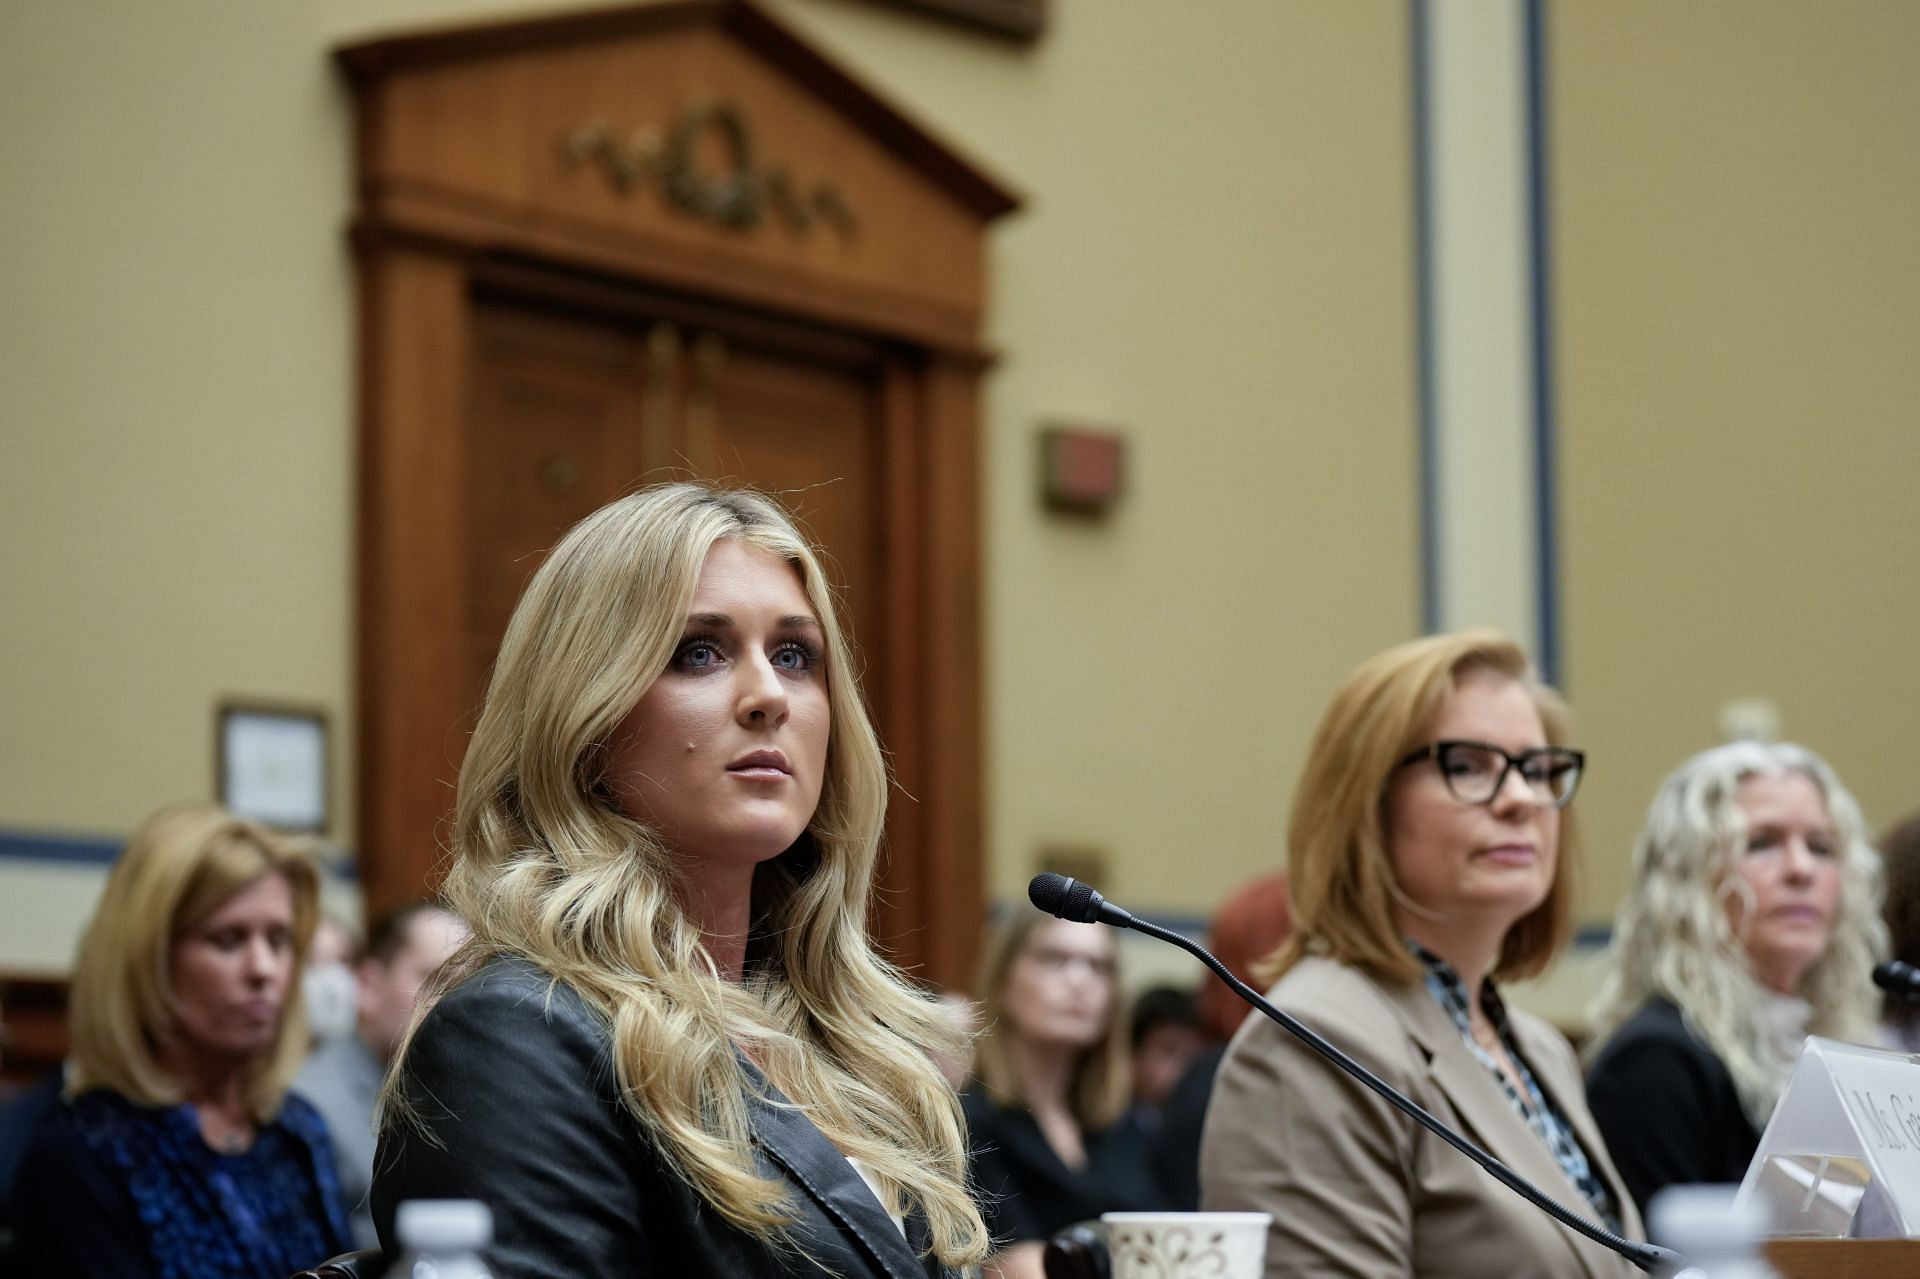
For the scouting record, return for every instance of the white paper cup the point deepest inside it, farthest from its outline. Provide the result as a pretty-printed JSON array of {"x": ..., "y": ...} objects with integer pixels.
[{"x": 1187, "y": 1245}]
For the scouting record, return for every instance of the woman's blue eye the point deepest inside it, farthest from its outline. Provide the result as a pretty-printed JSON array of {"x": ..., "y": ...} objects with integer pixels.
[{"x": 698, "y": 655}]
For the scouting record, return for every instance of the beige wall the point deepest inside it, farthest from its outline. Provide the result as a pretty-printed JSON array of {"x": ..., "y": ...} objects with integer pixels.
[
  {"x": 174, "y": 395},
  {"x": 1215, "y": 258},
  {"x": 1738, "y": 289}
]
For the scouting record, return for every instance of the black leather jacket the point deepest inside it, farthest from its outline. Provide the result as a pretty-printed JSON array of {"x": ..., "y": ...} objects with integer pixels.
[{"x": 511, "y": 1073}]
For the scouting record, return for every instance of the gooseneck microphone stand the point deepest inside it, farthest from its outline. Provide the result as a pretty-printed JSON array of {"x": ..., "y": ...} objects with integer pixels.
[{"x": 1072, "y": 900}]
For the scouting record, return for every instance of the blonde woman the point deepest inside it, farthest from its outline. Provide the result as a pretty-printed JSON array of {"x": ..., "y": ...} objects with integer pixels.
[
  {"x": 1429, "y": 859},
  {"x": 669, "y": 1048},
  {"x": 1753, "y": 922},
  {"x": 1052, "y": 1139},
  {"x": 180, "y": 1151}
]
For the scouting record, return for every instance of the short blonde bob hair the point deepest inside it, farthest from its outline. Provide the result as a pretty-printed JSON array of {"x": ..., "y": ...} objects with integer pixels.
[
  {"x": 181, "y": 865},
  {"x": 1101, "y": 1082},
  {"x": 1339, "y": 869}
]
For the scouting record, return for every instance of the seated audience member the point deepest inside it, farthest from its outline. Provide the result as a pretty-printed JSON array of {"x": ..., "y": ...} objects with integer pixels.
[
  {"x": 343, "y": 1078},
  {"x": 1753, "y": 921},
  {"x": 1900, "y": 854},
  {"x": 1165, "y": 1035},
  {"x": 21, "y": 1111},
  {"x": 327, "y": 984},
  {"x": 1051, "y": 1138},
  {"x": 1246, "y": 929},
  {"x": 180, "y": 1151},
  {"x": 1429, "y": 857}
]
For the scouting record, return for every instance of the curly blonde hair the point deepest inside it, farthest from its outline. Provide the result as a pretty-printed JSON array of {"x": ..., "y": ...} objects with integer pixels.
[
  {"x": 1675, "y": 939},
  {"x": 548, "y": 867}
]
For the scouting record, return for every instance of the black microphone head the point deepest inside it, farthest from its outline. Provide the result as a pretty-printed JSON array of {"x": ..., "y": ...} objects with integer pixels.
[
  {"x": 1897, "y": 978},
  {"x": 1068, "y": 898}
]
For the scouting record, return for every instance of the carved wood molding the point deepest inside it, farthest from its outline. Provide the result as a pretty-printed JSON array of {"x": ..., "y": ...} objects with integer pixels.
[{"x": 740, "y": 197}]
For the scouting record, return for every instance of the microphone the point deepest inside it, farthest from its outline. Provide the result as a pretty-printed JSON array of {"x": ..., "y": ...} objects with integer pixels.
[
  {"x": 1072, "y": 900},
  {"x": 1901, "y": 980}
]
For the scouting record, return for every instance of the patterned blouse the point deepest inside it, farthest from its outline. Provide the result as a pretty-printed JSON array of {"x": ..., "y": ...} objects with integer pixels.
[
  {"x": 136, "y": 1190},
  {"x": 1539, "y": 1110}
]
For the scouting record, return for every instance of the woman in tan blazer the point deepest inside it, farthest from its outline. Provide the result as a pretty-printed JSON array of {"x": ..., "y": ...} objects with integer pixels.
[{"x": 1428, "y": 858}]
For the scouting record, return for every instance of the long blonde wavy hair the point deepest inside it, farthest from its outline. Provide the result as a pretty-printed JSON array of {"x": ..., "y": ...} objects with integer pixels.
[
  {"x": 1675, "y": 939},
  {"x": 180, "y": 866},
  {"x": 548, "y": 867}
]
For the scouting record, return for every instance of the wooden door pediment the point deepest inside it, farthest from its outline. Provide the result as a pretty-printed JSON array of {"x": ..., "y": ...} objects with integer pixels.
[{"x": 699, "y": 138}]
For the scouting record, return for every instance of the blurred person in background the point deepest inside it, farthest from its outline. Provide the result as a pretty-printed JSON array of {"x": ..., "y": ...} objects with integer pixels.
[
  {"x": 21, "y": 1111},
  {"x": 1429, "y": 859},
  {"x": 180, "y": 1151},
  {"x": 1752, "y": 922},
  {"x": 1900, "y": 855},
  {"x": 327, "y": 984},
  {"x": 1249, "y": 927},
  {"x": 342, "y": 1078},
  {"x": 1051, "y": 1137},
  {"x": 957, "y": 1066},
  {"x": 1164, "y": 1032}
]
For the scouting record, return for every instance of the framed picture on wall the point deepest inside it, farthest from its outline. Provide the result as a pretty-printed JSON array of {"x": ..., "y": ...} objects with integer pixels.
[{"x": 271, "y": 764}]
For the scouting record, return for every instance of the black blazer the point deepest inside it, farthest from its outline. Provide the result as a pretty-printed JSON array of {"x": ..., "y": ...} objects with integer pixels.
[
  {"x": 1027, "y": 1193},
  {"x": 512, "y": 1075},
  {"x": 1667, "y": 1106}
]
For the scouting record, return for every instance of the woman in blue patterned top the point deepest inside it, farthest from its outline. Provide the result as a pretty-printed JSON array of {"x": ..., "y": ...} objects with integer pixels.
[{"x": 179, "y": 1151}]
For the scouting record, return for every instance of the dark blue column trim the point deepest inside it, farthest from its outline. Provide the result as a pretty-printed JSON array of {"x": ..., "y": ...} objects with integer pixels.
[
  {"x": 1426, "y": 426},
  {"x": 1545, "y": 443}
]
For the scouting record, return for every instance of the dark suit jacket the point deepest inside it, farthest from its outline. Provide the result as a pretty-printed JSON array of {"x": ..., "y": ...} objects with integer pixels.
[
  {"x": 1667, "y": 1106},
  {"x": 1357, "y": 1188},
  {"x": 1027, "y": 1193},
  {"x": 1176, "y": 1145},
  {"x": 513, "y": 1077}
]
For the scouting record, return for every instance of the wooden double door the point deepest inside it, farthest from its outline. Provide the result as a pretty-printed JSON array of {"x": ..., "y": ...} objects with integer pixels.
[
  {"x": 571, "y": 407},
  {"x": 577, "y": 393}
]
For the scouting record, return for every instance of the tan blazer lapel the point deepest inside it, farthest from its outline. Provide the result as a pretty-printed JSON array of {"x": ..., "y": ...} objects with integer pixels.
[
  {"x": 1559, "y": 1076},
  {"x": 1486, "y": 1116}
]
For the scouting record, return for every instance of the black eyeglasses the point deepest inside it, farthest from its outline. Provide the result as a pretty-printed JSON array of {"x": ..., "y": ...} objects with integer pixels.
[{"x": 1475, "y": 771}]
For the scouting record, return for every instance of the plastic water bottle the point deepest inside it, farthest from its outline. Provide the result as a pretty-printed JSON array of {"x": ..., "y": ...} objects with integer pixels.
[
  {"x": 1702, "y": 1225},
  {"x": 442, "y": 1239}
]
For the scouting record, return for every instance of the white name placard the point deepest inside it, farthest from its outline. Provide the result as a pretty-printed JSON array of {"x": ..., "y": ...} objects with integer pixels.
[{"x": 1841, "y": 1155}]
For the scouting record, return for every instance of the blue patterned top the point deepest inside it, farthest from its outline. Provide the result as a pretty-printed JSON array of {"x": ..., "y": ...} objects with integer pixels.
[{"x": 264, "y": 1213}]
